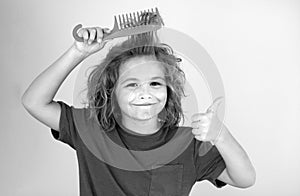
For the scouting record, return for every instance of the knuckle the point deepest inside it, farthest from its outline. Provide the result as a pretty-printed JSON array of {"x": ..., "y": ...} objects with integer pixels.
[
  {"x": 198, "y": 137},
  {"x": 80, "y": 32},
  {"x": 85, "y": 34},
  {"x": 98, "y": 29},
  {"x": 196, "y": 131},
  {"x": 92, "y": 31},
  {"x": 205, "y": 123},
  {"x": 100, "y": 32},
  {"x": 205, "y": 130},
  {"x": 205, "y": 119}
]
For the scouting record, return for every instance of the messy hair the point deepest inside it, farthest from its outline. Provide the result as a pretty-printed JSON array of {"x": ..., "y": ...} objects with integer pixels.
[{"x": 103, "y": 78}]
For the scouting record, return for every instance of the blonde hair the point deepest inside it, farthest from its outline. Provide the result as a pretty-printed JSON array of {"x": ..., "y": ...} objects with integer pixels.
[{"x": 103, "y": 79}]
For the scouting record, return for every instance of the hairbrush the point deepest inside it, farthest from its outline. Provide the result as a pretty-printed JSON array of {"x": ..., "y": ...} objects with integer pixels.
[{"x": 130, "y": 24}]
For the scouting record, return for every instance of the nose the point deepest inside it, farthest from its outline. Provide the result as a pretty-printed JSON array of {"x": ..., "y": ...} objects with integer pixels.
[
  {"x": 143, "y": 92},
  {"x": 145, "y": 96}
]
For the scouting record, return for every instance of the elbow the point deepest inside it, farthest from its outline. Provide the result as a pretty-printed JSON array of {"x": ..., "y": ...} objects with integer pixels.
[
  {"x": 248, "y": 184},
  {"x": 25, "y": 101},
  {"x": 249, "y": 181},
  {"x": 249, "y": 177},
  {"x": 252, "y": 179}
]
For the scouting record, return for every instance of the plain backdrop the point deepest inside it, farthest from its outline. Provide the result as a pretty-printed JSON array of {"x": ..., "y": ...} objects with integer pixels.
[{"x": 254, "y": 43}]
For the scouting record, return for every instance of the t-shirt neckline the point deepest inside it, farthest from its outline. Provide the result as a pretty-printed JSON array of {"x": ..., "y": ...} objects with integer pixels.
[{"x": 129, "y": 133}]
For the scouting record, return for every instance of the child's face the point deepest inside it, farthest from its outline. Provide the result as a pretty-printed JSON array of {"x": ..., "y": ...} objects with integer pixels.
[{"x": 141, "y": 88}]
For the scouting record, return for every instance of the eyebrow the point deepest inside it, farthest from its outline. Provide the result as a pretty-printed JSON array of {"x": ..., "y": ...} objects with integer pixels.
[{"x": 135, "y": 79}]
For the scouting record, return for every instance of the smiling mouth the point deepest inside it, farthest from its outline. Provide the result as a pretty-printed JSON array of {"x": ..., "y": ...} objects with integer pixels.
[{"x": 143, "y": 104}]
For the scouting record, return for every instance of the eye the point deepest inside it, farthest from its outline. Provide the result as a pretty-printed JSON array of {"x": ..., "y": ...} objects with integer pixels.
[
  {"x": 155, "y": 84},
  {"x": 131, "y": 85}
]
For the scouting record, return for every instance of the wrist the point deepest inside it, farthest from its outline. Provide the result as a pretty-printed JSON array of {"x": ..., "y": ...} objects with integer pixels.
[{"x": 79, "y": 55}]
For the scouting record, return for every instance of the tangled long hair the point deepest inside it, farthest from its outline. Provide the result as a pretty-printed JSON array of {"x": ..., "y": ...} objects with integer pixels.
[{"x": 102, "y": 81}]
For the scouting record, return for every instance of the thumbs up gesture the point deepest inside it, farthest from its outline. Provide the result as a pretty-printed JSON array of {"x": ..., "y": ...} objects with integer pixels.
[{"x": 207, "y": 126}]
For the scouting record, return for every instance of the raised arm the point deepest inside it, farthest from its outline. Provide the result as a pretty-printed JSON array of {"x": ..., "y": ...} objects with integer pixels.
[{"x": 38, "y": 97}]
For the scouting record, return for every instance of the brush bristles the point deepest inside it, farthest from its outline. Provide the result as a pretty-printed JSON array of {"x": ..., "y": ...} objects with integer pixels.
[{"x": 137, "y": 19}]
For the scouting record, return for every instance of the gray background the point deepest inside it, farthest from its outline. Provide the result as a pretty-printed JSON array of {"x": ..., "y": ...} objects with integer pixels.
[{"x": 255, "y": 44}]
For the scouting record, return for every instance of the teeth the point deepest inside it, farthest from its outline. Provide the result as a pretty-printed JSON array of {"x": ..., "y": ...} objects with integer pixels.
[
  {"x": 120, "y": 22},
  {"x": 134, "y": 19},
  {"x": 123, "y": 20},
  {"x": 116, "y": 22},
  {"x": 127, "y": 20},
  {"x": 138, "y": 17},
  {"x": 131, "y": 20}
]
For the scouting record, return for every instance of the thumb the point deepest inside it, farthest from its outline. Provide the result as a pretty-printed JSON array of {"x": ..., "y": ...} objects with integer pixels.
[
  {"x": 215, "y": 105},
  {"x": 106, "y": 30}
]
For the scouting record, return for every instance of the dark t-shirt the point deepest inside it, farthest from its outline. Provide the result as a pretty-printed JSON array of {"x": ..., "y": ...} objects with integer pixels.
[{"x": 98, "y": 178}]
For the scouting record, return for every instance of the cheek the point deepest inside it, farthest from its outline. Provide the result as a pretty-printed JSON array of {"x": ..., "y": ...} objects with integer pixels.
[
  {"x": 162, "y": 94},
  {"x": 125, "y": 97},
  {"x": 119, "y": 97},
  {"x": 162, "y": 97}
]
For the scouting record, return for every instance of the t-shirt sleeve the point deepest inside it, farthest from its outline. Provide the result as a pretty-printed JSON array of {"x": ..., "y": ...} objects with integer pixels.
[
  {"x": 67, "y": 130},
  {"x": 209, "y": 166}
]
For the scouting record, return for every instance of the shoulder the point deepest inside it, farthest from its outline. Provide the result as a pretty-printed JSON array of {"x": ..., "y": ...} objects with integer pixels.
[
  {"x": 80, "y": 116},
  {"x": 83, "y": 117}
]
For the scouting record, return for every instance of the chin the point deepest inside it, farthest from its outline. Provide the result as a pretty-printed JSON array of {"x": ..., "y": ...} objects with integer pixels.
[{"x": 143, "y": 117}]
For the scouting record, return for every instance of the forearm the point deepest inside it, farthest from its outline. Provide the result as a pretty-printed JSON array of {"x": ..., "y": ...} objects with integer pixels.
[
  {"x": 43, "y": 89},
  {"x": 238, "y": 164}
]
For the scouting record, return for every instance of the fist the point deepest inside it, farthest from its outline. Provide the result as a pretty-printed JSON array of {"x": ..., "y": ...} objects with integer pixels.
[
  {"x": 92, "y": 34},
  {"x": 91, "y": 39},
  {"x": 207, "y": 126}
]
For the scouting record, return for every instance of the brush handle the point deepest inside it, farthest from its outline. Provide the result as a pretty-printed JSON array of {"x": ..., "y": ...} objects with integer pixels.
[
  {"x": 80, "y": 39},
  {"x": 75, "y": 35}
]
